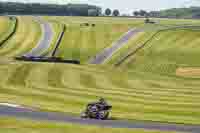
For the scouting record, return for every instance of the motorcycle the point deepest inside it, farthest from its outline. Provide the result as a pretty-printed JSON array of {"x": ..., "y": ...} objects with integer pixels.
[{"x": 97, "y": 111}]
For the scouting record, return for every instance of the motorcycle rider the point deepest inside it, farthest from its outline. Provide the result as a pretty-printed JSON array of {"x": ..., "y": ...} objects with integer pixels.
[
  {"x": 100, "y": 102},
  {"x": 97, "y": 109},
  {"x": 103, "y": 102}
]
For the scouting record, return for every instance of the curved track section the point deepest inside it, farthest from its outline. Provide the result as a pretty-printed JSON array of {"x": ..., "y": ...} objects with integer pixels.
[
  {"x": 21, "y": 112},
  {"x": 108, "y": 52},
  {"x": 45, "y": 41},
  {"x": 134, "y": 51}
]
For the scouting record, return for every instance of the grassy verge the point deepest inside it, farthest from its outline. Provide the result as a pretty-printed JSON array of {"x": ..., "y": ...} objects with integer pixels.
[
  {"x": 149, "y": 31},
  {"x": 165, "y": 55},
  {"x": 25, "y": 38},
  {"x": 5, "y": 24},
  {"x": 11, "y": 125},
  {"x": 83, "y": 42},
  {"x": 134, "y": 95},
  {"x": 132, "y": 44},
  {"x": 8, "y": 27},
  {"x": 147, "y": 88},
  {"x": 58, "y": 28}
]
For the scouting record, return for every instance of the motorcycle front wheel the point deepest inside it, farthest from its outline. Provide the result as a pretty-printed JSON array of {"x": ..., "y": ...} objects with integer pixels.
[{"x": 84, "y": 115}]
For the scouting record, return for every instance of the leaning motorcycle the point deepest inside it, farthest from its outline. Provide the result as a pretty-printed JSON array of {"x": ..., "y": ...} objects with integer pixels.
[{"x": 97, "y": 111}]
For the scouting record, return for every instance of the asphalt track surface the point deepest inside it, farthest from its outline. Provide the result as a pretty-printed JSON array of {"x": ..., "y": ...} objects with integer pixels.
[
  {"x": 25, "y": 113},
  {"x": 108, "y": 52},
  {"x": 45, "y": 41}
]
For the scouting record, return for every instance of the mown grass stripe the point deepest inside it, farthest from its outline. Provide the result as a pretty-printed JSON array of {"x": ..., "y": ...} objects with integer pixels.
[
  {"x": 19, "y": 43},
  {"x": 21, "y": 73},
  {"x": 147, "y": 108},
  {"x": 68, "y": 90}
]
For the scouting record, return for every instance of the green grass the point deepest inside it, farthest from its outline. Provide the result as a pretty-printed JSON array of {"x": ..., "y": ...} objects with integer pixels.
[
  {"x": 148, "y": 31},
  {"x": 145, "y": 87},
  {"x": 11, "y": 125},
  {"x": 172, "y": 22},
  {"x": 26, "y": 37},
  {"x": 7, "y": 26},
  {"x": 97, "y": 20},
  {"x": 4, "y": 23},
  {"x": 131, "y": 45},
  {"x": 134, "y": 95},
  {"x": 57, "y": 29},
  {"x": 84, "y": 42},
  {"x": 164, "y": 55}
]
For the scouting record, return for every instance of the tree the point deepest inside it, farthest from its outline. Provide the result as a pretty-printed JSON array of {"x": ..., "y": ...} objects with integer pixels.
[
  {"x": 147, "y": 14},
  {"x": 116, "y": 12},
  {"x": 142, "y": 13},
  {"x": 93, "y": 12},
  {"x": 125, "y": 15},
  {"x": 154, "y": 14},
  {"x": 108, "y": 12},
  {"x": 49, "y": 9},
  {"x": 136, "y": 13}
]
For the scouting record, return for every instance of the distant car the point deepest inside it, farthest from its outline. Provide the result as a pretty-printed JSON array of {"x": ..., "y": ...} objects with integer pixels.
[
  {"x": 148, "y": 21},
  {"x": 12, "y": 18},
  {"x": 85, "y": 24}
]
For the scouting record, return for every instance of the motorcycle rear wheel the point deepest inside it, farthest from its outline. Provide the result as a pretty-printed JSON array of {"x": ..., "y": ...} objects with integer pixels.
[{"x": 103, "y": 115}]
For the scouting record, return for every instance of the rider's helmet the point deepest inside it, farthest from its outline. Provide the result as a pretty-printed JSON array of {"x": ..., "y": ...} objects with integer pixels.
[{"x": 102, "y": 101}]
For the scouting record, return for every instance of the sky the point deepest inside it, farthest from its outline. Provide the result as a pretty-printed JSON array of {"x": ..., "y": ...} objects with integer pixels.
[{"x": 126, "y": 6}]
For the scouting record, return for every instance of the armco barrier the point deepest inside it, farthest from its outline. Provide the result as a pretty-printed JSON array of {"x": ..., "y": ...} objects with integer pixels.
[
  {"x": 47, "y": 59},
  {"x": 59, "y": 41}
]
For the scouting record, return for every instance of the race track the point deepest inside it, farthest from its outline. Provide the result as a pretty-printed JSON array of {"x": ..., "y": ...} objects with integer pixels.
[
  {"x": 108, "y": 52},
  {"x": 20, "y": 112},
  {"x": 45, "y": 41}
]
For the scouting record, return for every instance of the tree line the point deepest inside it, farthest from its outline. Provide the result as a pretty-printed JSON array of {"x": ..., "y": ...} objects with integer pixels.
[
  {"x": 108, "y": 12},
  {"x": 191, "y": 12},
  {"x": 49, "y": 9},
  {"x": 91, "y": 10}
]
